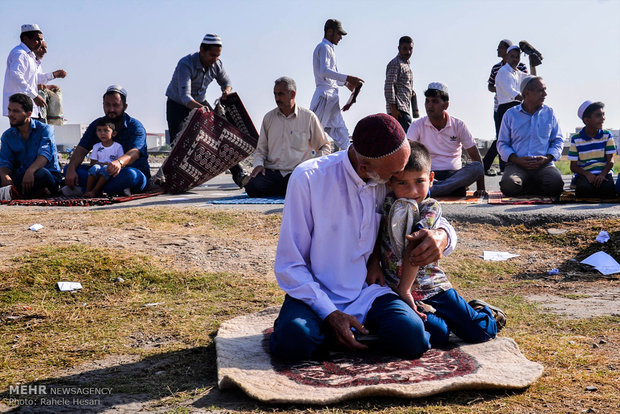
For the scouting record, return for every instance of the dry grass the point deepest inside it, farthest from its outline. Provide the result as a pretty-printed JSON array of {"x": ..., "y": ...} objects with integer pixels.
[{"x": 164, "y": 353}]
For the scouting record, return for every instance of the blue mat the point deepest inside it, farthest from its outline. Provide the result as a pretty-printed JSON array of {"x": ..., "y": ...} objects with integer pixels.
[{"x": 244, "y": 199}]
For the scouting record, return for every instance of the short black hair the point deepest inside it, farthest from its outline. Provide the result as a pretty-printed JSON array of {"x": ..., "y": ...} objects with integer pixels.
[
  {"x": 23, "y": 100},
  {"x": 206, "y": 48},
  {"x": 29, "y": 35},
  {"x": 405, "y": 39},
  {"x": 106, "y": 123},
  {"x": 592, "y": 108},
  {"x": 123, "y": 97},
  {"x": 419, "y": 159},
  {"x": 429, "y": 93}
]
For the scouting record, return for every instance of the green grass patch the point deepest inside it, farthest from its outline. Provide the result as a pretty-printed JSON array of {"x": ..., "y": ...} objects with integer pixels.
[{"x": 155, "y": 308}]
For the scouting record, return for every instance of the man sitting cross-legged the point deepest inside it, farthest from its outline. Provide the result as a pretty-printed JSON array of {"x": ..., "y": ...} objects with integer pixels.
[{"x": 288, "y": 136}]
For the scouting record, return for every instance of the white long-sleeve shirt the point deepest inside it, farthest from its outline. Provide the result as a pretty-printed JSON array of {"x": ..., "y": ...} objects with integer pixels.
[
  {"x": 321, "y": 256},
  {"x": 21, "y": 76},
  {"x": 507, "y": 83},
  {"x": 326, "y": 75}
]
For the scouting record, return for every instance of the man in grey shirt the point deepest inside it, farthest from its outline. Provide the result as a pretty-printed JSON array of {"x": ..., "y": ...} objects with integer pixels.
[{"x": 188, "y": 88}]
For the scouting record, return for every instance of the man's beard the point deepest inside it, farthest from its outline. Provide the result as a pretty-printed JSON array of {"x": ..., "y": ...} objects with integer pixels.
[
  {"x": 116, "y": 118},
  {"x": 17, "y": 124},
  {"x": 375, "y": 178}
]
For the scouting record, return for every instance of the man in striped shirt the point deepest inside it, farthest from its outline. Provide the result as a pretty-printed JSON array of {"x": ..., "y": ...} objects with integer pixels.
[
  {"x": 400, "y": 98},
  {"x": 591, "y": 154}
]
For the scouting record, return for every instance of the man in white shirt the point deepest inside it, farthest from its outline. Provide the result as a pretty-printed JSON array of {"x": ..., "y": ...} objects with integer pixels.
[
  {"x": 325, "y": 102},
  {"x": 21, "y": 74},
  {"x": 445, "y": 137},
  {"x": 288, "y": 136},
  {"x": 322, "y": 254}
]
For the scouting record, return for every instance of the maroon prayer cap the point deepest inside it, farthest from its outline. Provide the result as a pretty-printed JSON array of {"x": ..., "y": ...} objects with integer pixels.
[{"x": 377, "y": 136}]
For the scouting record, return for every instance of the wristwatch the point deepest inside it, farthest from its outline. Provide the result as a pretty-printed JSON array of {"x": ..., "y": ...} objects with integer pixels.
[{"x": 121, "y": 162}]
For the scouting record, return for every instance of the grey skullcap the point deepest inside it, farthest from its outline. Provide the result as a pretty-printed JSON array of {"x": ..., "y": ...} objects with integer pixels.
[
  {"x": 508, "y": 42},
  {"x": 525, "y": 81},
  {"x": 212, "y": 39},
  {"x": 118, "y": 89}
]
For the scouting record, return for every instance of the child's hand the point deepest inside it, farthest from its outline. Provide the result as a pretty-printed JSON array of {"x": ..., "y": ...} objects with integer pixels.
[
  {"x": 598, "y": 180},
  {"x": 375, "y": 275},
  {"x": 408, "y": 299}
]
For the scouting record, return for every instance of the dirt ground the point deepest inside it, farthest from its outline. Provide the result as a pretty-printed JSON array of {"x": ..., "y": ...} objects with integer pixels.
[{"x": 576, "y": 292}]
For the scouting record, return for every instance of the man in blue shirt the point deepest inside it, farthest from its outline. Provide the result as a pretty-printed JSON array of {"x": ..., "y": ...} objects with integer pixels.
[
  {"x": 188, "y": 89},
  {"x": 131, "y": 171},
  {"x": 530, "y": 140},
  {"x": 28, "y": 156}
]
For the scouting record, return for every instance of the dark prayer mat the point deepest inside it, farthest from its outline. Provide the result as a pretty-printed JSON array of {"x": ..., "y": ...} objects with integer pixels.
[
  {"x": 77, "y": 201},
  {"x": 497, "y": 197},
  {"x": 243, "y": 361},
  {"x": 208, "y": 145}
]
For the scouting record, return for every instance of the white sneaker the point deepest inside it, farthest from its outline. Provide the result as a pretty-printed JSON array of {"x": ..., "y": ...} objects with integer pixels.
[
  {"x": 127, "y": 192},
  {"x": 67, "y": 191}
]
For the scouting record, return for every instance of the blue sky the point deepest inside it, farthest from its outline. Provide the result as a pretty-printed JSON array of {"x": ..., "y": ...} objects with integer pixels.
[{"x": 138, "y": 43}]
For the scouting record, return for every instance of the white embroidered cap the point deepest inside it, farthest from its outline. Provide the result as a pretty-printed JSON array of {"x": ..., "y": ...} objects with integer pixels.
[
  {"x": 212, "y": 39},
  {"x": 582, "y": 108},
  {"x": 30, "y": 28},
  {"x": 438, "y": 86}
]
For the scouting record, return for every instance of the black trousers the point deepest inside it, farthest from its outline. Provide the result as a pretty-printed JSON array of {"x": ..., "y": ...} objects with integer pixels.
[
  {"x": 487, "y": 161},
  {"x": 270, "y": 184}
]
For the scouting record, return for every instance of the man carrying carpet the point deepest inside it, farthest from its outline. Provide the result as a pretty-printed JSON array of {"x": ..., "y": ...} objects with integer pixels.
[
  {"x": 321, "y": 256},
  {"x": 288, "y": 136},
  {"x": 188, "y": 89}
]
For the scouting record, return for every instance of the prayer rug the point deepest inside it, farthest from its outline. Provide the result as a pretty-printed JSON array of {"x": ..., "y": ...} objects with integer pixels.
[
  {"x": 244, "y": 199},
  {"x": 208, "y": 145},
  {"x": 468, "y": 199},
  {"x": 569, "y": 197},
  {"x": 77, "y": 201},
  {"x": 497, "y": 197},
  {"x": 243, "y": 361}
]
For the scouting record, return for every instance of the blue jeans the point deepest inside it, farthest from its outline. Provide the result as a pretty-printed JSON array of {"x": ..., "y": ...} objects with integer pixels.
[
  {"x": 43, "y": 178},
  {"x": 299, "y": 333},
  {"x": 99, "y": 170},
  {"x": 453, "y": 314},
  {"x": 129, "y": 177}
]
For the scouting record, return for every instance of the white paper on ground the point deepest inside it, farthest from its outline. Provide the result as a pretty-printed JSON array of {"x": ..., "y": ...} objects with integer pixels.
[
  {"x": 498, "y": 256},
  {"x": 36, "y": 227},
  {"x": 69, "y": 286},
  {"x": 602, "y": 262},
  {"x": 602, "y": 237},
  {"x": 178, "y": 199}
]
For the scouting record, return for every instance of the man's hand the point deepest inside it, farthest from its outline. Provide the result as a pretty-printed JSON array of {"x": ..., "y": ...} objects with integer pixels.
[
  {"x": 71, "y": 178},
  {"x": 341, "y": 323},
  {"x": 114, "y": 168},
  {"x": 227, "y": 91},
  {"x": 40, "y": 101},
  {"x": 60, "y": 73},
  {"x": 481, "y": 193},
  {"x": 431, "y": 245},
  {"x": 529, "y": 163},
  {"x": 596, "y": 180},
  {"x": 353, "y": 82},
  {"x": 5, "y": 180},
  {"x": 395, "y": 112},
  {"x": 28, "y": 181},
  {"x": 259, "y": 169}
]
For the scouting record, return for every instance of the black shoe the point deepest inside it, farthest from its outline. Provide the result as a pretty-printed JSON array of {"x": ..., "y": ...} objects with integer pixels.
[
  {"x": 535, "y": 56},
  {"x": 241, "y": 179}
]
